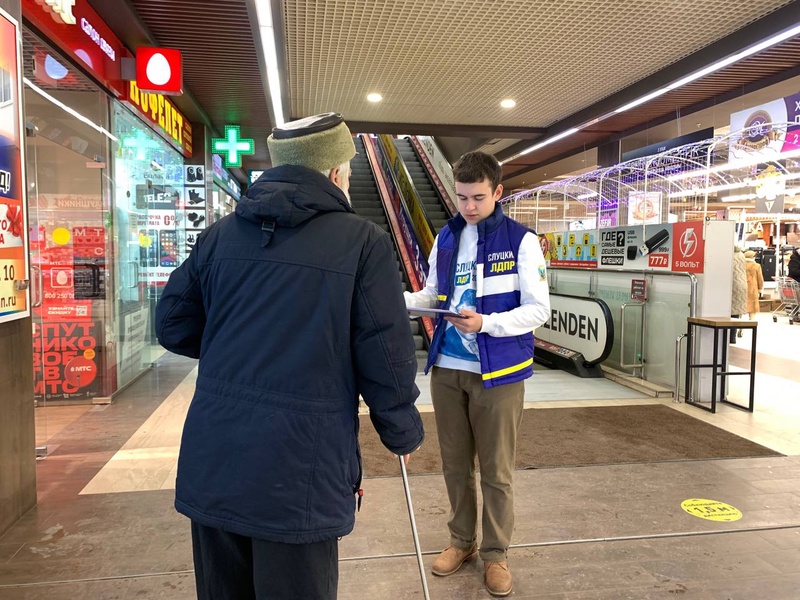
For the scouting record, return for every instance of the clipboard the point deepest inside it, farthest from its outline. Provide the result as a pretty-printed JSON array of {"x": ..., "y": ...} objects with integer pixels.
[{"x": 433, "y": 312}]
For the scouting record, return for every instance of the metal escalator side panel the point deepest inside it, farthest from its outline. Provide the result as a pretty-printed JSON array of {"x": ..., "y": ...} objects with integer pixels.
[{"x": 439, "y": 171}]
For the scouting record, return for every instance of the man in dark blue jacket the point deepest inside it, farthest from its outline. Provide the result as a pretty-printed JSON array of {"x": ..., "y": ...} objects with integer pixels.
[{"x": 294, "y": 308}]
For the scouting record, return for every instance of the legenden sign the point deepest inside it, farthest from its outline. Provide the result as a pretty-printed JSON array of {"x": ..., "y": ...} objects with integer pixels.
[{"x": 580, "y": 324}]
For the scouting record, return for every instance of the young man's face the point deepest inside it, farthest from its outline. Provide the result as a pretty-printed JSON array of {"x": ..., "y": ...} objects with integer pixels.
[{"x": 476, "y": 200}]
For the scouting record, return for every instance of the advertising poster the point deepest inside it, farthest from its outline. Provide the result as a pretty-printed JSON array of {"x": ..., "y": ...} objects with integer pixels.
[
  {"x": 158, "y": 238},
  {"x": 767, "y": 134},
  {"x": 637, "y": 247},
  {"x": 13, "y": 221},
  {"x": 66, "y": 359},
  {"x": 573, "y": 249},
  {"x": 677, "y": 247},
  {"x": 194, "y": 205},
  {"x": 644, "y": 208}
]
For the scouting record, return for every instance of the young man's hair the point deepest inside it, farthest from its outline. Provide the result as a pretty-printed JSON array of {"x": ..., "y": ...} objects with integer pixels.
[{"x": 473, "y": 167}]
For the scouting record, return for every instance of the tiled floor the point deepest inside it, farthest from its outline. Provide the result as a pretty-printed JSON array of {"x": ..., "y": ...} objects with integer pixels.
[{"x": 105, "y": 527}]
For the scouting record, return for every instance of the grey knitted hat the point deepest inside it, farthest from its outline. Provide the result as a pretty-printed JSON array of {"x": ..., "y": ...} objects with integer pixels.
[{"x": 320, "y": 142}]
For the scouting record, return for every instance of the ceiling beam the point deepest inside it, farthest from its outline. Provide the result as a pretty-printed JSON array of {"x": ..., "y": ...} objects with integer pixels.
[
  {"x": 438, "y": 129},
  {"x": 745, "y": 37}
]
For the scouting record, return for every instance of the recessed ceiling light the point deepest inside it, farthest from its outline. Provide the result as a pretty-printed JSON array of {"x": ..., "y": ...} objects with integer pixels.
[
  {"x": 374, "y": 97},
  {"x": 508, "y": 103}
]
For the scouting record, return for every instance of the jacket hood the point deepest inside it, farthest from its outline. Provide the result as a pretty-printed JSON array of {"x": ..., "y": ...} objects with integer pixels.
[{"x": 290, "y": 195}]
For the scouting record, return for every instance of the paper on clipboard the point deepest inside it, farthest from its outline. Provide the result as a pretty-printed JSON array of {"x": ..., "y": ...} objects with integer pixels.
[{"x": 433, "y": 312}]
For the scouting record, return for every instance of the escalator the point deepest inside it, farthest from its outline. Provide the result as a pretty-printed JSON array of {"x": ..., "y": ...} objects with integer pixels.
[
  {"x": 366, "y": 201},
  {"x": 434, "y": 207}
]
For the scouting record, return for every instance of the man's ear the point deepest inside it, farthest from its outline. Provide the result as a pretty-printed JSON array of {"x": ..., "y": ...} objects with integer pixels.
[
  {"x": 333, "y": 176},
  {"x": 498, "y": 192}
]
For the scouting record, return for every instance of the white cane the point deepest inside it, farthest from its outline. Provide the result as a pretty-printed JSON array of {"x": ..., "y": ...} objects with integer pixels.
[{"x": 414, "y": 529}]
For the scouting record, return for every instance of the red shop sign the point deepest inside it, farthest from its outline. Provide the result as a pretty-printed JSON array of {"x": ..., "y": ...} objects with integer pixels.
[{"x": 77, "y": 29}]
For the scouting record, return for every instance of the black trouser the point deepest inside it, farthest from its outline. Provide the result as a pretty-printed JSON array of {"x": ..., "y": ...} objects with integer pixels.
[{"x": 234, "y": 567}]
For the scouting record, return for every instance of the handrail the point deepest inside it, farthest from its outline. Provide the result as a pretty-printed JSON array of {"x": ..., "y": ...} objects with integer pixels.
[
  {"x": 678, "y": 345},
  {"x": 692, "y": 279},
  {"x": 622, "y": 362}
]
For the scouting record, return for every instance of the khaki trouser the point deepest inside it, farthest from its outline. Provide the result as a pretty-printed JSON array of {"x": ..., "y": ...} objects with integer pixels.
[{"x": 471, "y": 419}]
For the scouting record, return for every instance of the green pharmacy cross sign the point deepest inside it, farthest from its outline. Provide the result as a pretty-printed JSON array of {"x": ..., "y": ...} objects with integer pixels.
[{"x": 232, "y": 147}]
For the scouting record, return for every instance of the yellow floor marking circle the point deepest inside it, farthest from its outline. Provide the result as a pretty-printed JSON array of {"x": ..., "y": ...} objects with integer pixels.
[{"x": 712, "y": 510}]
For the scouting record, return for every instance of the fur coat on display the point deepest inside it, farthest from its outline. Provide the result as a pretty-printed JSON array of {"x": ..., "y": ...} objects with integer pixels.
[
  {"x": 755, "y": 283},
  {"x": 739, "y": 287}
]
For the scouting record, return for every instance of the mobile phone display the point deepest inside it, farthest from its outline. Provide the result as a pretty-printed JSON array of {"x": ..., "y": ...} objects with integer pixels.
[
  {"x": 168, "y": 241},
  {"x": 148, "y": 247}
]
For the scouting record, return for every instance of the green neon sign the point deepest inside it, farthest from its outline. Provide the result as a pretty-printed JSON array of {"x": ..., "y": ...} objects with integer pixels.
[
  {"x": 232, "y": 146},
  {"x": 141, "y": 143}
]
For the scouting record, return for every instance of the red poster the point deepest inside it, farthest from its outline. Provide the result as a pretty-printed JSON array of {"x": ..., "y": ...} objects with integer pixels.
[
  {"x": 688, "y": 247},
  {"x": 66, "y": 360},
  {"x": 13, "y": 222}
]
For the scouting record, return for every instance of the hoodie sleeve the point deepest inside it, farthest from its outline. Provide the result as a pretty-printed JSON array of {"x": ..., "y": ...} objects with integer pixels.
[
  {"x": 383, "y": 350},
  {"x": 180, "y": 314}
]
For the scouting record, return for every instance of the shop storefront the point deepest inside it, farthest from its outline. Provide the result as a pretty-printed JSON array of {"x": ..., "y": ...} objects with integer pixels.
[
  {"x": 107, "y": 206},
  {"x": 225, "y": 191}
]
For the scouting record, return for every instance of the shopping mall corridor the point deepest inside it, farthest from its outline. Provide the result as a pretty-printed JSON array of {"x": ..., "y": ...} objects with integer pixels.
[{"x": 105, "y": 527}]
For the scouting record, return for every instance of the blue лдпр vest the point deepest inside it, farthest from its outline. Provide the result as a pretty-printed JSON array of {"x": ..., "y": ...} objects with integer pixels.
[{"x": 503, "y": 359}]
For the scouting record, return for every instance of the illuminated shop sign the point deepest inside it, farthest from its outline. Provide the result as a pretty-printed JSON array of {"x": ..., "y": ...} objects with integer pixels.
[
  {"x": 233, "y": 146},
  {"x": 158, "y": 109},
  {"x": 159, "y": 70},
  {"x": 61, "y": 10},
  {"x": 77, "y": 29},
  {"x": 98, "y": 39}
]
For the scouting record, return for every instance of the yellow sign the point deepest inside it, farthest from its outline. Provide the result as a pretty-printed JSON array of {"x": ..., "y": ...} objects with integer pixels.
[
  {"x": 163, "y": 113},
  {"x": 425, "y": 235},
  {"x": 571, "y": 239},
  {"x": 585, "y": 239},
  {"x": 593, "y": 251},
  {"x": 578, "y": 251},
  {"x": 712, "y": 510}
]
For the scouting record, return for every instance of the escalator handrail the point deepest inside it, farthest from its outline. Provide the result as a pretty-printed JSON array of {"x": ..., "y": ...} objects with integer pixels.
[
  {"x": 412, "y": 274},
  {"x": 444, "y": 196}
]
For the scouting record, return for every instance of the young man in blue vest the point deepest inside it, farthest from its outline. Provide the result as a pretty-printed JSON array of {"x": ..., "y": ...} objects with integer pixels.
[{"x": 490, "y": 269}]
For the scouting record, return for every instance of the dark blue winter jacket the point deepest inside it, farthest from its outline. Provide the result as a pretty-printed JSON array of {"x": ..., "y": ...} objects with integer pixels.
[{"x": 294, "y": 308}]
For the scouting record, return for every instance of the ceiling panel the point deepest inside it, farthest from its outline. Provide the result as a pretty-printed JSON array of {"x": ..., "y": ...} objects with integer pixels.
[
  {"x": 452, "y": 61},
  {"x": 449, "y": 62},
  {"x": 220, "y": 61}
]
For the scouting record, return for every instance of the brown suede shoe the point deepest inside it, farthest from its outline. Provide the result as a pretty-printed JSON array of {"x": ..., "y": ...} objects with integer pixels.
[
  {"x": 497, "y": 578},
  {"x": 451, "y": 559}
]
